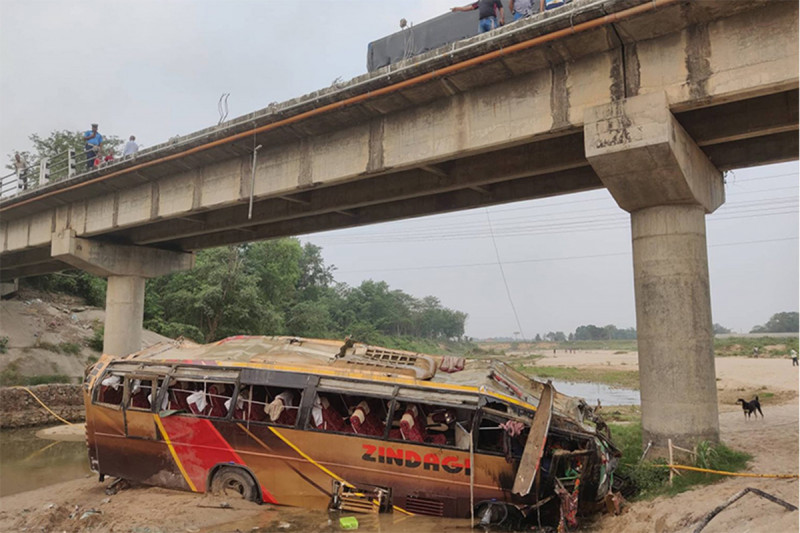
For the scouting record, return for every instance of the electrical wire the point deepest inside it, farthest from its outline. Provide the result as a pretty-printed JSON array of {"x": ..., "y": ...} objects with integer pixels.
[
  {"x": 543, "y": 259},
  {"x": 503, "y": 275}
]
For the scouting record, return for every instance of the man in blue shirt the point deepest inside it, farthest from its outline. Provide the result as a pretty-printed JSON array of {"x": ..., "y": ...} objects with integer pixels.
[
  {"x": 93, "y": 141},
  {"x": 488, "y": 11}
]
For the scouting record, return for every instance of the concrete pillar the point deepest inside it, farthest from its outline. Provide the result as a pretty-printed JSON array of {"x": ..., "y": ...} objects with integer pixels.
[
  {"x": 673, "y": 322},
  {"x": 126, "y": 268},
  {"x": 655, "y": 171},
  {"x": 124, "y": 314}
]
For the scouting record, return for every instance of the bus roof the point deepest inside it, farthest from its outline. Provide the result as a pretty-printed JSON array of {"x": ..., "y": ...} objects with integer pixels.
[{"x": 359, "y": 361}]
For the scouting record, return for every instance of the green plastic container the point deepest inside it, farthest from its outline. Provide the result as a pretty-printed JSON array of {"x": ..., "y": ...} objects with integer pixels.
[{"x": 348, "y": 522}]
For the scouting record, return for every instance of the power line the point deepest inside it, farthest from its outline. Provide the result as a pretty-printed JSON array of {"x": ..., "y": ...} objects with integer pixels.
[
  {"x": 543, "y": 259},
  {"x": 767, "y": 206},
  {"x": 503, "y": 275}
]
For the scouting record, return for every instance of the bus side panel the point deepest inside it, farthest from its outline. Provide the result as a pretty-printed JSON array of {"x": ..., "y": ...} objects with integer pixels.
[
  {"x": 281, "y": 471},
  {"x": 142, "y": 460},
  {"x": 299, "y": 466},
  {"x": 437, "y": 475}
]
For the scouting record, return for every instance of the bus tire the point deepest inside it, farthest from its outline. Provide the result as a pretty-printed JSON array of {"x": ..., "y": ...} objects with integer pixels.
[{"x": 232, "y": 482}]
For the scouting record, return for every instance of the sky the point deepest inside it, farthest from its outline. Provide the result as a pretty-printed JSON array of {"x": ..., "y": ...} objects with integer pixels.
[{"x": 157, "y": 68}]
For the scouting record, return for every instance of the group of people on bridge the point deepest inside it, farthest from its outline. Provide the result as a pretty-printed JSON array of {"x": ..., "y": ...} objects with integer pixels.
[
  {"x": 93, "y": 148},
  {"x": 491, "y": 16}
]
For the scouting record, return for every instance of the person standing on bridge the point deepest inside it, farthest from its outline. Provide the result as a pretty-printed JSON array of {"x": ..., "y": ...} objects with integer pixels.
[
  {"x": 521, "y": 8},
  {"x": 21, "y": 168},
  {"x": 488, "y": 13},
  {"x": 130, "y": 147},
  {"x": 93, "y": 141}
]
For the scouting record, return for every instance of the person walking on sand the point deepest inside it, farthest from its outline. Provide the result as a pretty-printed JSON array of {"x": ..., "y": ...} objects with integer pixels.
[{"x": 793, "y": 353}]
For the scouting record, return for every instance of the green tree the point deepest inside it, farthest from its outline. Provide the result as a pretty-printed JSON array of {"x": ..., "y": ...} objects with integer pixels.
[
  {"x": 786, "y": 322},
  {"x": 720, "y": 329}
]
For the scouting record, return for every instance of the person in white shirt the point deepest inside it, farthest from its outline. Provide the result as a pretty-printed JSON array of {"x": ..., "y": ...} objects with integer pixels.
[{"x": 130, "y": 147}]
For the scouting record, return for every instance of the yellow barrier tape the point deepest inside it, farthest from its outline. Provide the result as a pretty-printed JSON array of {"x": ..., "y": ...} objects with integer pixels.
[
  {"x": 723, "y": 473},
  {"x": 26, "y": 389}
]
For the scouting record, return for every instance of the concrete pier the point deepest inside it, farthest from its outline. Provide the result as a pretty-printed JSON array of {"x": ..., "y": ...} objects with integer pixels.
[
  {"x": 654, "y": 170},
  {"x": 124, "y": 313},
  {"x": 126, "y": 268}
]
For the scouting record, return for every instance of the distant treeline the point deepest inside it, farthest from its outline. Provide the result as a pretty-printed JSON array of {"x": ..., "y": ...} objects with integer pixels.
[
  {"x": 589, "y": 333},
  {"x": 276, "y": 287}
]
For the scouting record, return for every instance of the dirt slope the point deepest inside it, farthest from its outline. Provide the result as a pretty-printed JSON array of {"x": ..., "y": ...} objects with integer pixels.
[{"x": 42, "y": 329}]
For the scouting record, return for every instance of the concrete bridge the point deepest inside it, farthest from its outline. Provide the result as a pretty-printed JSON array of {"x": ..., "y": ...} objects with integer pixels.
[{"x": 652, "y": 99}]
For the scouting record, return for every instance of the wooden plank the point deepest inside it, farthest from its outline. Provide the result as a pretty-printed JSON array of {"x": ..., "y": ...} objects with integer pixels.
[{"x": 534, "y": 446}]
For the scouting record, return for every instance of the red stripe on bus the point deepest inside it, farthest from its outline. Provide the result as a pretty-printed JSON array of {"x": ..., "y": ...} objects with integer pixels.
[{"x": 200, "y": 447}]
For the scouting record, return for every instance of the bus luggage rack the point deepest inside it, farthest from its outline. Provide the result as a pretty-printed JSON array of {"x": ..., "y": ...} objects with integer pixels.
[
  {"x": 389, "y": 357},
  {"x": 359, "y": 499}
]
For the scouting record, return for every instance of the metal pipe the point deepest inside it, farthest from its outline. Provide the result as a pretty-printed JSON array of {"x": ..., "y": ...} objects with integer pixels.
[
  {"x": 444, "y": 71},
  {"x": 253, "y": 181}
]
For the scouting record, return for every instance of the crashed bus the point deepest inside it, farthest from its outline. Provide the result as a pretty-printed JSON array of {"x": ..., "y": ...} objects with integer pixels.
[{"x": 344, "y": 425}]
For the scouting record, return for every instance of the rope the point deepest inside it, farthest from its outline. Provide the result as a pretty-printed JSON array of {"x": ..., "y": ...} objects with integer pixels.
[
  {"x": 26, "y": 389},
  {"x": 723, "y": 473}
]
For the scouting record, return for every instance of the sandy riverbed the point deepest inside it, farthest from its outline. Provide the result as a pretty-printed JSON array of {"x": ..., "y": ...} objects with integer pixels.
[{"x": 773, "y": 442}]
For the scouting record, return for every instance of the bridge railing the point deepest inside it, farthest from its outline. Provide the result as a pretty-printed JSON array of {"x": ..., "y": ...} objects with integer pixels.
[{"x": 45, "y": 170}]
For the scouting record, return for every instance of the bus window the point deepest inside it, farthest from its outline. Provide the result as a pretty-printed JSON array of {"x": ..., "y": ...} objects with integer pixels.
[
  {"x": 432, "y": 424},
  {"x": 501, "y": 433},
  {"x": 329, "y": 413},
  {"x": 367, "y": 415},
  {"x": 110, "y": 390},
  {"x": 140, "y": 394},
  {"x": 275, "y": 405},
  {"x": 199, "y": 397}
]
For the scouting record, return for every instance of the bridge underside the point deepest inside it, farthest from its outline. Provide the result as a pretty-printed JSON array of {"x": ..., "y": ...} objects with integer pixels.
[{"x": 751, "y": 132}]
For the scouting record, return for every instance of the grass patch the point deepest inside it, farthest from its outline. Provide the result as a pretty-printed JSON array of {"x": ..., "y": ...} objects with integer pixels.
[
  {"x": 10, "y": 376},
  {"x": 743, "y": 346},
  {"x": 617, "y": 378},
  {"x": 3, "y": 344},
  {"x": 70, "y": 348},
  {"x": 651, "y": 480},
  {"x": 624, "y": 345},
  {"x": 623, "y": 414},
  {"x": 50, "y": 347},
  {"x": 96, "y": 341}
]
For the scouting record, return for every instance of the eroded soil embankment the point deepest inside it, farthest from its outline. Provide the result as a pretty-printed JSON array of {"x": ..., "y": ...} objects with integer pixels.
[{"x": 19, "y": 409}]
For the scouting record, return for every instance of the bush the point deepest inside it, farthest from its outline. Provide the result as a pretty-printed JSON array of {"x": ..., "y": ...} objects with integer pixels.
[
  {"x": 96, "y": 341},
  {"x": 651, "y": 477},
  {"x": 50, "y": 347},
  {"x": 70, "y": 348},
  {"x": 173, "y": 330},
  {"x": 4, "y": 344},
  {"x": 76, "y": 282}
]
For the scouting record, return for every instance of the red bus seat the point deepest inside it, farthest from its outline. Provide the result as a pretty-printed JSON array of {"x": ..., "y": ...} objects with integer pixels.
[{"x": 364, "y": 421}]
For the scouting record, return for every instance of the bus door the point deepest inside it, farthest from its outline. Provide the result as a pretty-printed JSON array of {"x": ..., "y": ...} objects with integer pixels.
[{"x": 139, "y": 399}]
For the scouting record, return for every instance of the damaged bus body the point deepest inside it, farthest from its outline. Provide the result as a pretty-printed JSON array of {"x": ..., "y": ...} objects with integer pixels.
[{"x": 316, "y": 423}]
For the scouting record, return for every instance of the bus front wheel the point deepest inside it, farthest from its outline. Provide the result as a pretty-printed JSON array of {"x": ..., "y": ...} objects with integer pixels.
[{"x": 232, "y": 482}]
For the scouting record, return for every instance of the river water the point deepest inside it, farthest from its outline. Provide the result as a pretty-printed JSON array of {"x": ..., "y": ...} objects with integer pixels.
[
  {"x": 28, "y": 462},
  {"x": 591, "y": 392}
]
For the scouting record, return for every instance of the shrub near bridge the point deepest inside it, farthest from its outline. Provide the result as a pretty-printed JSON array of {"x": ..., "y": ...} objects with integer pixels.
[{"x": 651, "y": 478}]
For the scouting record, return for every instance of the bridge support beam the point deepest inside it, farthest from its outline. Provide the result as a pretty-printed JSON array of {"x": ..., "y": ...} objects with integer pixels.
[
  {"x": 126, "y": 268},
  {"x": 656, "y": 172}
]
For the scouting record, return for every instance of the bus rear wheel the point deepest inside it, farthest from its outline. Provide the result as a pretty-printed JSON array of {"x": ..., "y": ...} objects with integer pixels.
[{"x": 233, "y": 482}]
